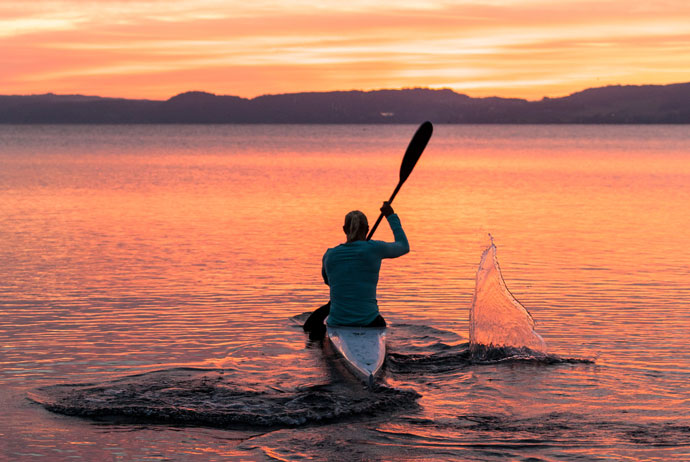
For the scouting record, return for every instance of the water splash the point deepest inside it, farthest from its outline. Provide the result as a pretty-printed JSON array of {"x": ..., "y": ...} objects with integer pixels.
[{"x": 497, "y": 319}]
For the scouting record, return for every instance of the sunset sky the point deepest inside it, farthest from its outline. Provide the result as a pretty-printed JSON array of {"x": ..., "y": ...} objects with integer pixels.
[{"x": 156, "y": 49}]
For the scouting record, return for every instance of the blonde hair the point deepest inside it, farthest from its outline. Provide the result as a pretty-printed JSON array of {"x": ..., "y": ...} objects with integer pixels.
[{"x": 355, "y": 222}]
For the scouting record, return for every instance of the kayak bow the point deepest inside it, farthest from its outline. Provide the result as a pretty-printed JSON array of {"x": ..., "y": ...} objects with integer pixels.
[{"x": 362, "y": 348}]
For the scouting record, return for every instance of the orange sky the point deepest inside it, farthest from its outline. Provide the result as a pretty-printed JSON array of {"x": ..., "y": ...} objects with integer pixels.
[{"x": 158, "y": 48}]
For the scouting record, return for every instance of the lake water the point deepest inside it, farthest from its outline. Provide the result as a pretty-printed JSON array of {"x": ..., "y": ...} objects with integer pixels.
[{"x": 169, "y": 268}]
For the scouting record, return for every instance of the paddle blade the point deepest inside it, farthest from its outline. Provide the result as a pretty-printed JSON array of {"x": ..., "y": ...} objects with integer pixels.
[{"x": 415, "y": 149}]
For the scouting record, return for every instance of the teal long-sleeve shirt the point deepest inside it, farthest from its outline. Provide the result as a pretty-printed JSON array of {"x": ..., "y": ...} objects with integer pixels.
[{"x": 352, "y": 272}]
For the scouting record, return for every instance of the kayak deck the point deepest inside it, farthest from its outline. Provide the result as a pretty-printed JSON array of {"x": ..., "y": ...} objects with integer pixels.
[{"x": 363, "y": 348}]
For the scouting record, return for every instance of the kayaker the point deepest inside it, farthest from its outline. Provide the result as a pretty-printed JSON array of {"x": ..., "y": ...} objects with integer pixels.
[{"x": 352, "y": 272}]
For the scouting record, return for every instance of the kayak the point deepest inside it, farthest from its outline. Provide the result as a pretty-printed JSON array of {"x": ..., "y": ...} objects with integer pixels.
[{"x": 362, "y": 348}]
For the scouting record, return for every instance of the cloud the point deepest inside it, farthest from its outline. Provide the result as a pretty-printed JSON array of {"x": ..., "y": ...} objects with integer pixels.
[{"x": 516, "y": 48}]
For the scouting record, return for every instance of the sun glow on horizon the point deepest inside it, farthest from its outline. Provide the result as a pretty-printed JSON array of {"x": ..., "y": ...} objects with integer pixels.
[{"x": 154, "y": 49}]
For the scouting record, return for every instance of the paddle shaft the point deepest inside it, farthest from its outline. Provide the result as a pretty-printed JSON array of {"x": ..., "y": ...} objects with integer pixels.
[
  {"x": 412, "y": 155},
  {"x": 376, "y": 225}
]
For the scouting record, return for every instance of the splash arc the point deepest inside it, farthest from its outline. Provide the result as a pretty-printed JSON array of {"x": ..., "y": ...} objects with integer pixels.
[{"x": 497, "y": 318}]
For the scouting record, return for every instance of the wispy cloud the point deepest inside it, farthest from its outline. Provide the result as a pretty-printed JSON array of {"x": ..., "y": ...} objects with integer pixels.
[{"x": 157, "y": 48}]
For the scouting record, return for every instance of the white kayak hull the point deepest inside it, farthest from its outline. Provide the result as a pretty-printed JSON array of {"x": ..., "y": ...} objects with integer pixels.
[{"x": 362, "y": 348}]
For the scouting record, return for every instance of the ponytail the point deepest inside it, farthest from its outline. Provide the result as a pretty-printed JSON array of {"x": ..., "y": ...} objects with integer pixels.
[{"x": 355, "y": 222}]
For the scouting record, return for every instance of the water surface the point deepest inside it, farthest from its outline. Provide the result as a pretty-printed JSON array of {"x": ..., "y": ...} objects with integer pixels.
[{"x": 171, "y": 264}]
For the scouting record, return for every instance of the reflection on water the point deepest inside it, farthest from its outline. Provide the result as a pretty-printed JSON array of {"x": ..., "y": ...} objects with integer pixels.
[{"x": 128, "y": 250}]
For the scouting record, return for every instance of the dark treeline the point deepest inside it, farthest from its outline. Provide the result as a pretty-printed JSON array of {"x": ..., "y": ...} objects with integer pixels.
[{"x": 614, "y": 104}]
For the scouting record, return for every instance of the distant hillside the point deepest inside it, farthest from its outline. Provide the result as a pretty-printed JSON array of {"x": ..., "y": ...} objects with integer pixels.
[{"x": 647, "y": 104}]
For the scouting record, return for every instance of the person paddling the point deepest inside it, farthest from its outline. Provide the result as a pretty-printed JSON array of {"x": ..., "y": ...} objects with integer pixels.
[
  {"x": 352, "y": 269},
  {"x": 352, "y": 272}
]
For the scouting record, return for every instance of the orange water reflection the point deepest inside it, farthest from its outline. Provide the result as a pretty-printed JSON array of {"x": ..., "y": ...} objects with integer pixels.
[{"x": 125, "y": 251}]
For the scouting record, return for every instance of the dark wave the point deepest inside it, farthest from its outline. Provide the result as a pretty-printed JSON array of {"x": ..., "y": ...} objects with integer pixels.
[
  {"x": 455, "y": 357},
  {"x": 218, "y": 399},
  {"x": 482, "y": 354},
  {"x": 420, "y": 349},
  {"x": 558, "y": 426}
]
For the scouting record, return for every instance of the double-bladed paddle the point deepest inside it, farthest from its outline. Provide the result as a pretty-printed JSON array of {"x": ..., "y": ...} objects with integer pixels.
[
  {"x": 314, "y": 323},
  {"x": 412, "y": 155}
]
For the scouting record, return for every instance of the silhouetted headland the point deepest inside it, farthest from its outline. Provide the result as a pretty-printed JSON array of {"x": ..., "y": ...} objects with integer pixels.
[{"x": 646, "y": 104}]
